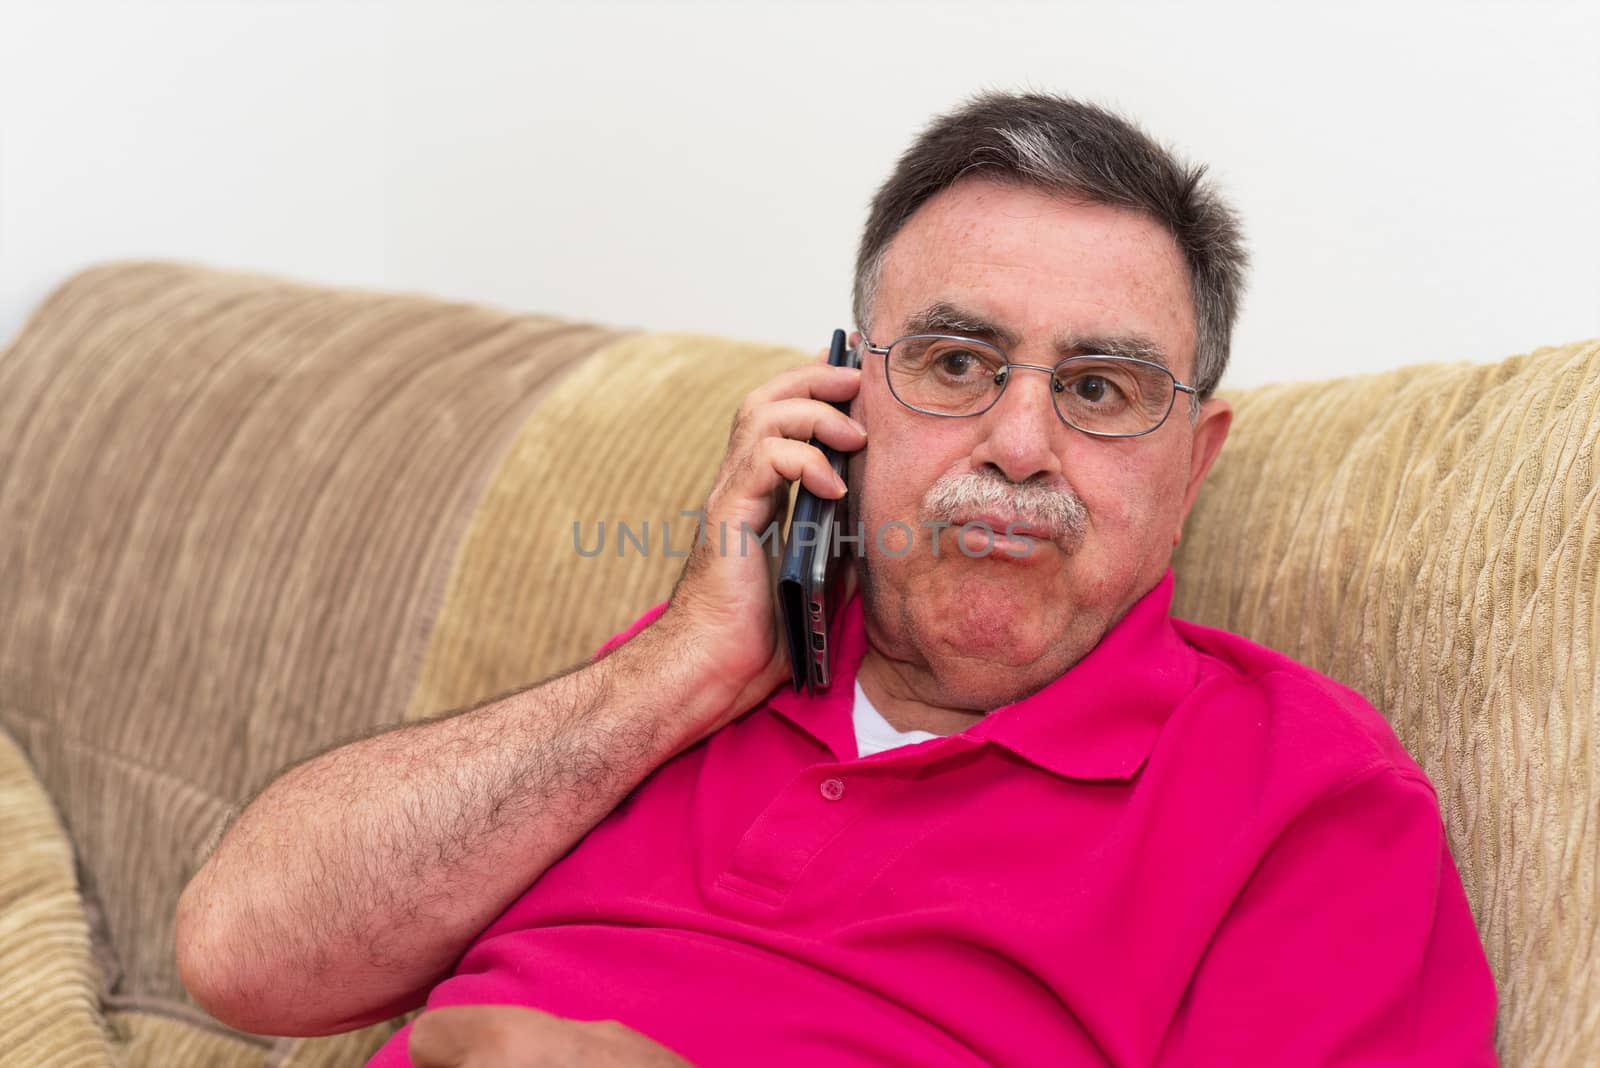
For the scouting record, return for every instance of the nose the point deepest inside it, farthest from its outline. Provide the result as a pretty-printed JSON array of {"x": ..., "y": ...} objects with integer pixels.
[{"x": 1022, "y": 433}]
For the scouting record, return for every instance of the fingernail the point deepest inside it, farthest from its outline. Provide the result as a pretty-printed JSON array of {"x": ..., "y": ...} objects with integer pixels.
[{"x": 857, "y": 425}]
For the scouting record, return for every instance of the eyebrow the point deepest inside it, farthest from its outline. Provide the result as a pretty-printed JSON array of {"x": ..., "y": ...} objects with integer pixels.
[{"x": 943, "y": 317}]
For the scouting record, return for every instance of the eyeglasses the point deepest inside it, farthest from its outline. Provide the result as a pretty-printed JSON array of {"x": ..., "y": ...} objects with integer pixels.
[{"x": 955, "y": 377}]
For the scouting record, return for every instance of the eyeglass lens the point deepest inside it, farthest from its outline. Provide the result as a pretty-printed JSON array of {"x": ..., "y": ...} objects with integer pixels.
[{"x": 1099, "y": 394}]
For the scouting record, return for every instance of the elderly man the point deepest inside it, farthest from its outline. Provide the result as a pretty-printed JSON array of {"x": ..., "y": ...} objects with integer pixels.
[{"x": 1034, "y": 821}]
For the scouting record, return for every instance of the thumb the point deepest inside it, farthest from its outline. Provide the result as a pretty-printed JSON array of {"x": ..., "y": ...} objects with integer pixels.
[{"x": 441, "y": 1038}]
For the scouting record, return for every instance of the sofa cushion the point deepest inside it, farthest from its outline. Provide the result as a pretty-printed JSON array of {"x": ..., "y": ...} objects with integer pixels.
[
  {"x": 50, "y": 1014},
  {"x": 160, "y": 1039}
]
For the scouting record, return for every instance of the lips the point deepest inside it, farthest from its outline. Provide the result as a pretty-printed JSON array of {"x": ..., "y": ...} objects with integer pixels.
[{"x": 1003, "y": 526}]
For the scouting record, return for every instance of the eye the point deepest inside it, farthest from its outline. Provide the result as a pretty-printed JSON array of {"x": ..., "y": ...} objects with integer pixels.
[
  {"x": 959, "y": 363},
  {"x": 1094, "y": 389}
]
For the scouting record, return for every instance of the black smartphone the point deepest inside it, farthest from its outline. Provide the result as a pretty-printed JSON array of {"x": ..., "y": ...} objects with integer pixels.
[{"x": 808, "y": 577}]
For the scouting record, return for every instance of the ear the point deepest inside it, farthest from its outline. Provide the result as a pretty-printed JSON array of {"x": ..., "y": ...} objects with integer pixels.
[{"x": 1210, "y": 431}]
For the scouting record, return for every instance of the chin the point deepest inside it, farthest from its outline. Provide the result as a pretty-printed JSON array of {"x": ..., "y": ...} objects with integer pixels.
[
  {"x": 987, "y": 613},
  {"x": 988, "y": 632}
]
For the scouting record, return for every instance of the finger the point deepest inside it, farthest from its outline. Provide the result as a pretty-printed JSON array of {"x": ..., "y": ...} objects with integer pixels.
[
  {"x": 822, "y": 381},
  {"x": 467, "y": 1036},
  {"x": 774, "y": 463},
  {"x": 438, "y": 1040},
  {"x": 803, "y": 419}
]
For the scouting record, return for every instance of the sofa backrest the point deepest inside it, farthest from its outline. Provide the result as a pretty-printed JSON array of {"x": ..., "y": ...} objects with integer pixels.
[{"x": 229, "y": 505}]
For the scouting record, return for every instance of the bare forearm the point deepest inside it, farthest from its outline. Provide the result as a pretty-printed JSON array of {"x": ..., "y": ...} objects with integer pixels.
[
  {"x": 356, "y": 880},
  {"x": 359, "y": 877}
]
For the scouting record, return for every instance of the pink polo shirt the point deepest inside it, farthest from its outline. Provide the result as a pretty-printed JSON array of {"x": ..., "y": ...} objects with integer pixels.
[{"x": 1187, "y": 850}]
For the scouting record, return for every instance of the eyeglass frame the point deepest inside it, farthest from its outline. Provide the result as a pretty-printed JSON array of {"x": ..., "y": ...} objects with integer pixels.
[{"x": 883, "y": 350}]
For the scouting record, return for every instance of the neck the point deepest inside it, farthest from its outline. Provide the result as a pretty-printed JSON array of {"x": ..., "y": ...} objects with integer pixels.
[{"x": 895, "y": 689}]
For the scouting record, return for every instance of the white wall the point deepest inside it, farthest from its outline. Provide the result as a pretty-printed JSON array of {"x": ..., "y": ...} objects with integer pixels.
[{"x": 1420, "y": 182}]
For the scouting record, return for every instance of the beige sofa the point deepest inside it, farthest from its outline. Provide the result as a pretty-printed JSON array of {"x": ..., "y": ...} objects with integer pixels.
[{"x": 244, "y": 519}]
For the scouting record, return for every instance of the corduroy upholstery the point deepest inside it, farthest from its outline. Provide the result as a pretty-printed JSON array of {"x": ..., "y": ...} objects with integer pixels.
[
  {"x": 181, "y": 620},
  {"x": 228, "y": 509},
  {"x": 49, "y": 985}
]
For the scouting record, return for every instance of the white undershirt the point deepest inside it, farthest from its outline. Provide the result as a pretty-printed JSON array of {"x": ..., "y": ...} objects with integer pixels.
[{"x": 874, "y": 734}]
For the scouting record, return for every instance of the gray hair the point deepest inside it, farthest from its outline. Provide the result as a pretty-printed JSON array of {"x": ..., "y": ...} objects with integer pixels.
[{"x": 1078, "y": 150}]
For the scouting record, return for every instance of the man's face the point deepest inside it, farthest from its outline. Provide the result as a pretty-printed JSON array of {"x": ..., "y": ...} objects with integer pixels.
[{"x": 1049, "y": 277}]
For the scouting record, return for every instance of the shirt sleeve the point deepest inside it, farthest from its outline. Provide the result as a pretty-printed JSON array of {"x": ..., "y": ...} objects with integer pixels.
[
  {"x": 1352, "y": 944},
  {"x": 634, "y": 628}
]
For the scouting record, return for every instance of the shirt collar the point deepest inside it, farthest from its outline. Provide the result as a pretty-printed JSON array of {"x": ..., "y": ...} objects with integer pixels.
[{"x": 1099, "y": 720}]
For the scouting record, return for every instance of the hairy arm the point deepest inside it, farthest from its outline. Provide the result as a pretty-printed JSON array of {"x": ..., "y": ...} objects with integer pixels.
[{"x": 355, "y": 880}]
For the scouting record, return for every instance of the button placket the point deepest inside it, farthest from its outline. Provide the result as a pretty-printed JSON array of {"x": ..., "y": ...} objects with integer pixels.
[
  {"x": 808, "y": 814},
  {"x": 800, "y": 822}
]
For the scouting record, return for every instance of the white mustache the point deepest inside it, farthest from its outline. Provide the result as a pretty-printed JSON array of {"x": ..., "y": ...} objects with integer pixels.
[{"x": 1058, "y": 513}]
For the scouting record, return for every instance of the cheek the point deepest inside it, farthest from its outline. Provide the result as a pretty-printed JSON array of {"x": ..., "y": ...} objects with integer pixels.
[
  {"x": 1134, "y": 501},
  {"x": 887, "y": 472},
  {"x": 902, "y": 459},
  {"x": 883, "y": 490}
]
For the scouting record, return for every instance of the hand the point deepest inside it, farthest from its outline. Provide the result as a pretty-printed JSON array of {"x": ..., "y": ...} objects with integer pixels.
[
  {"x": 511, "y": 1036},
  {"x": 724, "y": 605}
]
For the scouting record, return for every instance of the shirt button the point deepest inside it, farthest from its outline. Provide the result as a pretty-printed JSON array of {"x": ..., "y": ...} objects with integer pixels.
[{"x": 832, "y": 789}]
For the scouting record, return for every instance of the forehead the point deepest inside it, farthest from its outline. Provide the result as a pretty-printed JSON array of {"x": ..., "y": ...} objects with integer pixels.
[{"x": 1044, "y": 267}]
